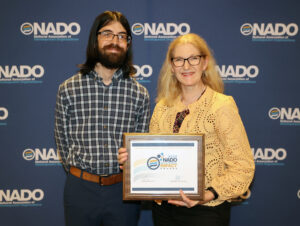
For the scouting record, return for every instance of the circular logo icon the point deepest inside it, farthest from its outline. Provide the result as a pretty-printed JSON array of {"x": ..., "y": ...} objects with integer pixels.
[
  {"x": 153, "y": 163},
  {"x": 246, "y": 29},
  {"x": 274, "y": 113},
  {"x": 26, "y": 28},
  {"x": 3, "y": 113},
  {"x": 137, "y": 29},
  {"x": 28, "y": 154}
]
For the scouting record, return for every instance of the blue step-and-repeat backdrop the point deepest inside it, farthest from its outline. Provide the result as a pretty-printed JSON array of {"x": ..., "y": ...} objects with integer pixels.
[{"x": 257, "y": 47}]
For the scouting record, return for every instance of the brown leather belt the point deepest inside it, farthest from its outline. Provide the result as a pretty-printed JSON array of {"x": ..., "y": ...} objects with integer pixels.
[{"x": 101, "y": 180}]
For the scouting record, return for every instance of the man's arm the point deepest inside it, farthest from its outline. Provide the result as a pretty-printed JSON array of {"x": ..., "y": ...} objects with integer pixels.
[
  {"x": 61, "y": 127},
  {"x": 143, "y": 117}
]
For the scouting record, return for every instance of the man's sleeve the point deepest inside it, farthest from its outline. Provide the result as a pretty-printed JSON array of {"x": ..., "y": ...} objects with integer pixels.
[
  {"x": 61, "y": 126},
  {"x": 143, "y": 116}
]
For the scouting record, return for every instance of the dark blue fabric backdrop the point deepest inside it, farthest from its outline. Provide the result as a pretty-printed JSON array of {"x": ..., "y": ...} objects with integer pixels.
[{"x": 256, "y": 45}]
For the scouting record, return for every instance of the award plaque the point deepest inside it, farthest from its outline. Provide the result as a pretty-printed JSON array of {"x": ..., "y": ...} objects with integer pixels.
[{"x": 160, "y": 165}]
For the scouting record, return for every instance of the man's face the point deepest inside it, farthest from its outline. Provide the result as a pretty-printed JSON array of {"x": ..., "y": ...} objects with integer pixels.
[{"x": 112, "y": 48}]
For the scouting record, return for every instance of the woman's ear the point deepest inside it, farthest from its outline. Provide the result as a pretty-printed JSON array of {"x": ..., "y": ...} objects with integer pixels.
[{"x": 205, "y": 63}]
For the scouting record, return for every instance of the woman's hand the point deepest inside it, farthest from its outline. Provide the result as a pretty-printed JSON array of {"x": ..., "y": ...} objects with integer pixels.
[
  {"x": 122, "y": 156},
  {"x": 208, "y": 196}
]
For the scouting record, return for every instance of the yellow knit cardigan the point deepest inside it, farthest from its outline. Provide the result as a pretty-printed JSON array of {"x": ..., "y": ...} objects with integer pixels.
[{"x": 229, "y": 164}]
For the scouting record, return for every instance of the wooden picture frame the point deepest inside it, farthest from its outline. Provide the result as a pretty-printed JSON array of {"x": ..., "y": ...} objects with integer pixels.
[{"x": 159, "y": 165}]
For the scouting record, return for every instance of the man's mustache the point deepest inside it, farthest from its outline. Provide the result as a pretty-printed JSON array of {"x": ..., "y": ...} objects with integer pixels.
[{"x": 113, "y": 46}]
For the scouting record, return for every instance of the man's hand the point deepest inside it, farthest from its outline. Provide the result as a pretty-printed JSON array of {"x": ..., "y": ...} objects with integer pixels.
[{"x": 122, "y": 156}]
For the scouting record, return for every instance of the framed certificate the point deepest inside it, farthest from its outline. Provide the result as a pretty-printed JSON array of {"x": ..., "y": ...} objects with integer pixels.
[{"x": 160, "y": 165}]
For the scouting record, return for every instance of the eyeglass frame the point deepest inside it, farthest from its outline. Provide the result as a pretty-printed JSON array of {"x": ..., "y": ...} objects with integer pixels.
[
  {"x": 128, "y": 39},
  {"x": 187, "y": 59}
]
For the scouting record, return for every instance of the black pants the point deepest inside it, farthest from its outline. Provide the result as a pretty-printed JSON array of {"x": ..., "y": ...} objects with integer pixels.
[
  {"x": 171, "y": 215},
  {"x": 89, "y": 204}
]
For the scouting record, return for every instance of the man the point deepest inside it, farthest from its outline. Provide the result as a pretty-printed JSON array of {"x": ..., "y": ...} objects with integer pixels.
[{"x": 93, "y": 110}]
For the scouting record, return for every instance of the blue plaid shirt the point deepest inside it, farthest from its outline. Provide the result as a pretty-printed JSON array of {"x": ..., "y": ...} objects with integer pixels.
[{"x": 90, "y": 119}]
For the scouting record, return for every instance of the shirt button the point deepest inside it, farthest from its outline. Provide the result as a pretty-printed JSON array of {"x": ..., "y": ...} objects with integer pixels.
[
  {"x": 105, "y": 108},
  {"x": 106, "y": 164},
  {"x": 105, "y": 127},
  {"x": 105, "y": 145}
]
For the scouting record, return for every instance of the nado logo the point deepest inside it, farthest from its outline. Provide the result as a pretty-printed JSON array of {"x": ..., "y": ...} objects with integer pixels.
[
  {"x": 51, "y": 31},
  {"x": 137, "y": 29},
  {"x": 270, "y": 31},
  {"x": 143, "y": 73},
  {"x": 246, "y": 29},
  {"x": 26, "y": 29},
  {"x": 163, "y": 162},
  {"x": 42, "y": 157},
  {"x": 160, "y": 31},
  {"x": 298, "y": 194},
  {"x": 21, "y": 74},
  {"x": 3, "y": 116},
  {"x": 287, "y": 116},
  {"x": 238, "y": 73},
  {"x": 153, "y": 163},
  {"x": 274, "y": 113},
  {"x": 22, "y": 197},
  {"x": 269, "y": 156}
]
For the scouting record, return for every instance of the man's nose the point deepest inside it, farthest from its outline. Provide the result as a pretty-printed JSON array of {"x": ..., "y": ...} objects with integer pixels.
[{"x": 115, "y": 39}]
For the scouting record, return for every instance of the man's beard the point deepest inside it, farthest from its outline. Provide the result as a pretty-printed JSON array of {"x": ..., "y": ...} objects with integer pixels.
[{"x": 111, "y": 60}]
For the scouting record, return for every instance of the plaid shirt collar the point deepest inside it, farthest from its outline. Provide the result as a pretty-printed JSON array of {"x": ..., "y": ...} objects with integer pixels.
[{"x": 116, "y": 76}]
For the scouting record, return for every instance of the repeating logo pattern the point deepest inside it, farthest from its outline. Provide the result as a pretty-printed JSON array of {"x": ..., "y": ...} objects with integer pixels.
[
  {"x": 270, "y": 32},
  {"x": 269, "y": 156},
  {"x": 143, "y": 73},
  {"x": 21, "y": 74},
  {"x": 238, "y": 73},
  {"x": 160, "y": 31},
  {"x": 287, "y": 116},
  {"x": 21, "y": 197},
  {"x": 42, "y": 157},
  {"x": 51, "y": 31},
  {"x": 3, "y": 116}
]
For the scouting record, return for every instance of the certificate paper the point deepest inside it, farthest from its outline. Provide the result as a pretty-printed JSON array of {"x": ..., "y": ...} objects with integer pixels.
[{"x": 161, "y": 166}]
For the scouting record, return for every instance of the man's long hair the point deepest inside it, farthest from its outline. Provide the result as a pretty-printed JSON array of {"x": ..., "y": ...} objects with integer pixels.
[{"x": 92, "y": 51}]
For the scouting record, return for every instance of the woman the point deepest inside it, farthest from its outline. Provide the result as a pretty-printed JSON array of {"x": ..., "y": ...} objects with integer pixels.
[{"x": 190, "y": 100}]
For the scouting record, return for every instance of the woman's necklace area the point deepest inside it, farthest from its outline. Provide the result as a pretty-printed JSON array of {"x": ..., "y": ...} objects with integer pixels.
[{"x": 194, "y": 99}]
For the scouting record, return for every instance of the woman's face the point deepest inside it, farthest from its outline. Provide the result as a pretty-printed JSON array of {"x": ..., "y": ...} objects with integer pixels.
[{"x": 193, "y": 64}]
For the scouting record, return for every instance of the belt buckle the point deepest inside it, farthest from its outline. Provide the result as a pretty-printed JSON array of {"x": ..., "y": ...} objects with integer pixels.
[{"x": 100, "y": 176}]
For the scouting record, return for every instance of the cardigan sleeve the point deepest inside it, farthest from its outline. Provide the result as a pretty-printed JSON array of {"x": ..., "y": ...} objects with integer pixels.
[
  {"x": 154, "y": 123},
  {"x": 237, "y": 155}
]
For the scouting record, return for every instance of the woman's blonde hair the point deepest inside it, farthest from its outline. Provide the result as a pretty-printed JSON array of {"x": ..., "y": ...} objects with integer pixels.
[{"x": 169, "y": 87}]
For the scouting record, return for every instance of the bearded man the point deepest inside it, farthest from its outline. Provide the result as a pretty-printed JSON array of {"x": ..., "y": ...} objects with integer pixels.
[{"x": 93, "y": 110}]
